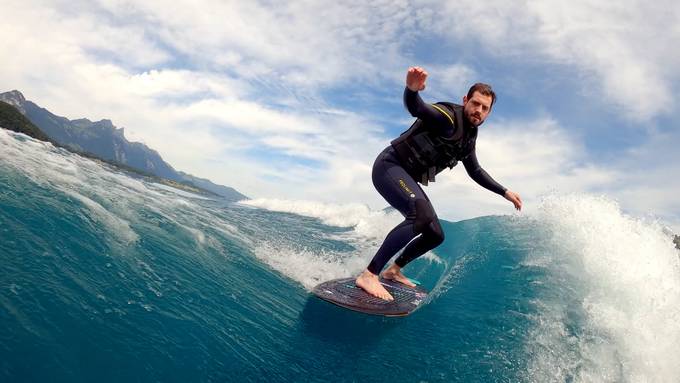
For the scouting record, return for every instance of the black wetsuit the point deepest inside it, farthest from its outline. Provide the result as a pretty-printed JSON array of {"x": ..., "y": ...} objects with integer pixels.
[{"x": 404, "y": 194}]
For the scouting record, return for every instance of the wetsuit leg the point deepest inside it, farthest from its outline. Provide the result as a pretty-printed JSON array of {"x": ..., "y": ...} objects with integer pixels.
[
  {"x": 431, "y": 237},
  {"x": 402, "y": 192}
]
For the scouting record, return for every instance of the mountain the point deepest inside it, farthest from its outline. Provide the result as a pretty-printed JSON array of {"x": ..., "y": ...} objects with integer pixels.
[
  {"x": 12, "y": 119},
  {"x": 224, "y": 191},
  {"x": 100, "y": 138},
  {"x": 676, "y": 240},
  {"x": 106, "y": 141}
]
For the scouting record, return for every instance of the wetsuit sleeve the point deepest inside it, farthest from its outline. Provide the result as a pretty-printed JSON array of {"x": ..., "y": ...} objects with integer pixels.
[
  {"x": 426, "y": 112},
  {"x": 479, "y": 175}
]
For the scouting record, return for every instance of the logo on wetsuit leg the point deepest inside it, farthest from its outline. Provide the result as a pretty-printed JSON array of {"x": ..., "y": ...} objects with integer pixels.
[{"x": 405, "y": 187}]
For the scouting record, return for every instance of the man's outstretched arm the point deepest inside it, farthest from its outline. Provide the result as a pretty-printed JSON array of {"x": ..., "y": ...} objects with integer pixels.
[{"x": 479, "y": 175}]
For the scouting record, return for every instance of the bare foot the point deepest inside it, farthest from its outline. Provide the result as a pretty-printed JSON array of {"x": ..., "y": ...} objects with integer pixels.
[
  {"x": 394, "y": 273},
  {"x": 371, "y": 284}
]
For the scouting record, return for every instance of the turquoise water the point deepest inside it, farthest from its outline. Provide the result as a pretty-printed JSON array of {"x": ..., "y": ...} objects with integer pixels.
[{"x": 104, "y": 277}]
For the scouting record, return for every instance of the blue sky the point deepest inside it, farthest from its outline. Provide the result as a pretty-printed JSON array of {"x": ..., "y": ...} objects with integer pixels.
[{"x": 294, "y": 100}]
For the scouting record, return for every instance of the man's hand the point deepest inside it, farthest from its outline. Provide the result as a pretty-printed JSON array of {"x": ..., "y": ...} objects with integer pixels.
[
  {"x": 514, "y": 198},
  {"x": 415, "y": 78}
]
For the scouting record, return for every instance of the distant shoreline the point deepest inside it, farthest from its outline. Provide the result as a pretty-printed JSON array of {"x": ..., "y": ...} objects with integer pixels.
[{"x": 11, "y": 119}]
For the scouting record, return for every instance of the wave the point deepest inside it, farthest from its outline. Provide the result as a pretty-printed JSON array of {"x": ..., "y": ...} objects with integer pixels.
[
  {"x": 607, "y": 297},
  {"x": 577, "y": 292},
  {"x": 613, "y": 309}
]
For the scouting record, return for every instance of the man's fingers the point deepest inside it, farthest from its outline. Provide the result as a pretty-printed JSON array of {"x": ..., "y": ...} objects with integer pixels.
[
  {"x": 418, "y": 71},
  {"x": 415, "y": 78},
  {"x": 515, "y": 199}
]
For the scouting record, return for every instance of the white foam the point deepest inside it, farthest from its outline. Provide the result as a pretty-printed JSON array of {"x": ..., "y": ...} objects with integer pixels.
[
  {"x": 58, "y": 169},
  {"x": 101, "y": 215},
  {"x": 452, "y": 275},
  {"x": 108, "y": 196},
  {"x": 368, "y": 229},
  {"x": 365, "y": 222},
  {"x": 310, "y": 268},
  {"x": 626, "y": 274}
]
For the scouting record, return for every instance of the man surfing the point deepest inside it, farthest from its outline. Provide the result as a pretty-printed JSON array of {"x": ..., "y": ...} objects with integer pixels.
[{"x": 443, "y": 134}]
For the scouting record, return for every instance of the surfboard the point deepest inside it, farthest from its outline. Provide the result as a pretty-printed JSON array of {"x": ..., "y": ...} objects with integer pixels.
[{"x": 345, "y": 293}]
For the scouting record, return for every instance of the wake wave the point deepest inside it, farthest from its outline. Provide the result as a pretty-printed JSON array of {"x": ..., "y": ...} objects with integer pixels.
[
  {"x": 610, "y": 300},
  {"x": 615, "y": 316},
  {"x": 605, "y": 297}
]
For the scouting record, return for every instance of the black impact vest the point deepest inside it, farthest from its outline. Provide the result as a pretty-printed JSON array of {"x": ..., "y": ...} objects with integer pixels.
[{"x": 424, "y": 152}]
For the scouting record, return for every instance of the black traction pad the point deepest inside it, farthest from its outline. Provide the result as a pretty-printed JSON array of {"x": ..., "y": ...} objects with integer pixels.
[{"x": 345, "y": 293}]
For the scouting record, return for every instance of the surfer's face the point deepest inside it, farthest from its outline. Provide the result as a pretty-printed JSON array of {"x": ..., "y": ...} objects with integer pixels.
[{"x": 476, "y": 108}]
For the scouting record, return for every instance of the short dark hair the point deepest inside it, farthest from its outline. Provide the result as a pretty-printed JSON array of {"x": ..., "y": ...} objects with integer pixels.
[{"x": 484, "y": 89}]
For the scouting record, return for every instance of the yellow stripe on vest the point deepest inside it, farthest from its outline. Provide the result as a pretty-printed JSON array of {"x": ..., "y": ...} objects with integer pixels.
[{"x": 444, "y": 112}]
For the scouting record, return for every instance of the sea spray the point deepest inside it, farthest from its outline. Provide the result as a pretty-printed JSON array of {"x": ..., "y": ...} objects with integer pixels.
[
  {"x": 366, "y": 223},
  {"x": 616, "y": 318},
  {"x": 364, "y": 230}
]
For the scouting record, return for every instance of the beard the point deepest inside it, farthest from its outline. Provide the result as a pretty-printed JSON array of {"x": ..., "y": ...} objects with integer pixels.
[{"x": 473, "y": 118}]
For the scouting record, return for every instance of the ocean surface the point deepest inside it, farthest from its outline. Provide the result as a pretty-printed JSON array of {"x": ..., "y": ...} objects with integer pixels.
[{"x": 109, "y": 278}]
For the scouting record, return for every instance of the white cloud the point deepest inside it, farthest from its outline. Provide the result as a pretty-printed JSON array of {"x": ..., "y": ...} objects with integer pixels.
[
  {"x": 651, "y": 182},
  {"x": 450, "y": 81},
  {"x": 305, "y": 44},
  {"x": 620, "y": 47},
  {"x": 206, "y": 82}
]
